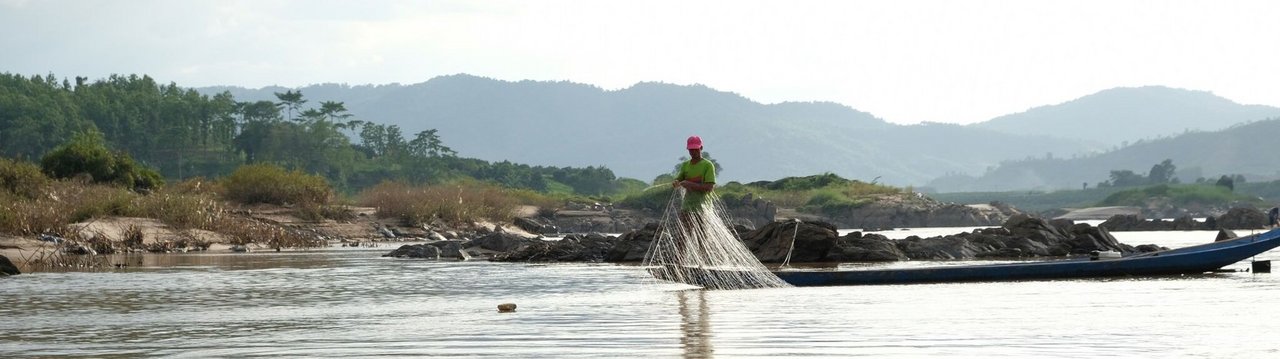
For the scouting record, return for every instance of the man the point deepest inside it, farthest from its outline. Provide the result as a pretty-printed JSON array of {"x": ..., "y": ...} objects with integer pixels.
[{"x": 698, "y": 177}]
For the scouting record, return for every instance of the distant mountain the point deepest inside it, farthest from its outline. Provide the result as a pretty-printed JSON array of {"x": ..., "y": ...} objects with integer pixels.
[
  {"x": 1112, "y": 117},
  {"x": 1241, "y": 149},
  {"x": 639, "y": 131}
]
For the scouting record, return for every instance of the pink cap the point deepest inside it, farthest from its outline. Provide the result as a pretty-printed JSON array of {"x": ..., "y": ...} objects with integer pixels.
[{"x": 695, "y": 143}]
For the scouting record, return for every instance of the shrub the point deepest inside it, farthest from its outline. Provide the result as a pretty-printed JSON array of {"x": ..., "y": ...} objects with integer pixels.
[
  {"x": 453, "y": 202},
  {"x": 265, "y": 183},
  {"x": 87, "y": 154},
  {"x": 23, "y": 179}
]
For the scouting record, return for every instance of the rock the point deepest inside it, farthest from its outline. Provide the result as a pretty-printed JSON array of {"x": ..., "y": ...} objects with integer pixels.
[
  {"x": 51, "y": 238},
  {"x": 452, "y": 249},
  {"x": 7, "y": 268},
  {"x": 386, "y": 233},
  {"x": 535, "y": 226},
  {"x": 500, "y": 242},
  {"x": 506, "y": 307},
  {"x": 1132, "y": 222},
  {"x": 1145, "y": 248},
  {"x": 944, "y": 247},
  {"x": 1242, "y": 218},
  {"x": 574, "y": 248},
  {"x": 812, "y": 241},
  {"x": 898, "y": 211},
  {"x": 415, "y": 251},
  {"x": 856, "y": 247},
  {"x": 631, "y": 246},
  {"x": 1225, "y": 234},
  {"x": 434, "y": 236},
  {"x": 240, "y": 248}
]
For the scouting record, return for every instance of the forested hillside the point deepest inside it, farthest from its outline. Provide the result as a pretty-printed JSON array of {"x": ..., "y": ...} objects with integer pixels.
[{"x": 184, "y": 133}]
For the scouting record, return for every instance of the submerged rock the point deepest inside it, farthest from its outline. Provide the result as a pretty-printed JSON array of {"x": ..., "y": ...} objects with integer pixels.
[
  {"x": 7, "y": 268},
  {"x": 415, "y": 251}
]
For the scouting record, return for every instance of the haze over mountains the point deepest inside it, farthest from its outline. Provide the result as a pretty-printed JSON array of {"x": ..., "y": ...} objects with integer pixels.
[{"x": 639, "y": 131}]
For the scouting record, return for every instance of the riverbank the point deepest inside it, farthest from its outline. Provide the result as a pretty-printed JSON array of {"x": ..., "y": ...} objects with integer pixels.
[{"x": 108, "y": 235}]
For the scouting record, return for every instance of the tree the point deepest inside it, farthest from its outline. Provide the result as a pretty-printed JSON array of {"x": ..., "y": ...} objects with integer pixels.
[
  {"x": 1226, "y": 181},
  {"x": 87, "y": 155},
  {"x": 1162, "y": 172},
  {"x": 428, "y": 144},
  {"x": 1126, "y": 178},
  {"x": 291, "y": 101}
]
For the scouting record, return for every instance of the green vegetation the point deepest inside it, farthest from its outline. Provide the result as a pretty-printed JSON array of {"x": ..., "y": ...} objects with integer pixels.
[
  {"x": 184, "y": 134},
  {"x": 824, "y": 193},
  {"x": 1177, "y": 195},
  {"x": 21, "y": 179},
  {"x": 87, "y": 155},
  {"x": 266, "y": 183}
]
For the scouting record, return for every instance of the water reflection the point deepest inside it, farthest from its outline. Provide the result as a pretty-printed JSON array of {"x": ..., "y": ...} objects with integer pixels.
[{"x": 695, "y": 323}]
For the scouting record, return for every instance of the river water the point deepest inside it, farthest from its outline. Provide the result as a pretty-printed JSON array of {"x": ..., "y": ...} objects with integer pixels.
[{"x": 351, "y": 302}]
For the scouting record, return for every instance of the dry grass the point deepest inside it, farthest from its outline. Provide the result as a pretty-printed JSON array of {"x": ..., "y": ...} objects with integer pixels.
[{"x": 454, "y": 202}]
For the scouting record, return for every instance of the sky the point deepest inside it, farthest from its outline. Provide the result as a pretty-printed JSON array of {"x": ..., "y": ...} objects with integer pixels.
[{"x": 903, "y": 61}]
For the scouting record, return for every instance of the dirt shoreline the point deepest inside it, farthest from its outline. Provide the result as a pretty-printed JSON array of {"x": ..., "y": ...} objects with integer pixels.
[{"x": 364, "y": 227}]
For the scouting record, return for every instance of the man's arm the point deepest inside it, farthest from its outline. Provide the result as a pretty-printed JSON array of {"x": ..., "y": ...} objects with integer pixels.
[{"x": 695, "y": 186}]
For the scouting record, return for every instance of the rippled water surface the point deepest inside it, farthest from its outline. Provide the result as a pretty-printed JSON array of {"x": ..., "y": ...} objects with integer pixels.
[{"x": 341, "y": 303}]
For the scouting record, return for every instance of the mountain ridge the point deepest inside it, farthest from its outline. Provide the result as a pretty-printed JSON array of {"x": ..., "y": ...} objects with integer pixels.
[{"x": 638, "y": 131}]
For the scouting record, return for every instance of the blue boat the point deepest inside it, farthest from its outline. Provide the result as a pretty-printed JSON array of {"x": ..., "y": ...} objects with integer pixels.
[{"x": 1189, "y": 260}]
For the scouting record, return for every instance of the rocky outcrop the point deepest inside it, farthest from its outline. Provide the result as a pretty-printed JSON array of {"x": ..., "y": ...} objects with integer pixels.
[
  {"x": 895, "y": 211},
  {"x": 859, "y": 247},
  {"x": 447, "y": 249},
  {"x": 805, "y": 241},
  {"x": 7, "y": 268},
  {"x": 537, "y": 225},
  {"x": 600, "y": 221},
  {"x": 752, "y": 211},
  {"x": 1020, "y": 236},
  {"x": 1242, "y": 218},
  {"x": 500, "y": 242},
  {"x": 631, "y": 246},
  {"x": 1236, "y": 218},
  {"x": 592, "y": 247},
  {"x": 415, "y": 251}
]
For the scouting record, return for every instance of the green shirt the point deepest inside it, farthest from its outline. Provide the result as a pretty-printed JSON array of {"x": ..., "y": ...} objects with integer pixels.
[{"x": 701, "y": 172}]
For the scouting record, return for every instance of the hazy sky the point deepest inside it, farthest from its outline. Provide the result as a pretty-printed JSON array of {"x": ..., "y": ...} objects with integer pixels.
[{"x": 904, "y": 61}]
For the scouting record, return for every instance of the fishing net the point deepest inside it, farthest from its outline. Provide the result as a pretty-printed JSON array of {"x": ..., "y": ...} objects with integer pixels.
[{"x": 699, "y": 248}]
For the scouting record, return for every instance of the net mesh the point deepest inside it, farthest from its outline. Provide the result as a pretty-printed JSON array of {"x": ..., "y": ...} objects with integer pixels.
[{"x": 699, "y": 248}]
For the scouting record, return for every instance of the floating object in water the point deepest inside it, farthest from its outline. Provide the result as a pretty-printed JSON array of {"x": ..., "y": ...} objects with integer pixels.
[
  {"x": 506, "y": 307},
  {"x": 1262, "y": 267}
]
